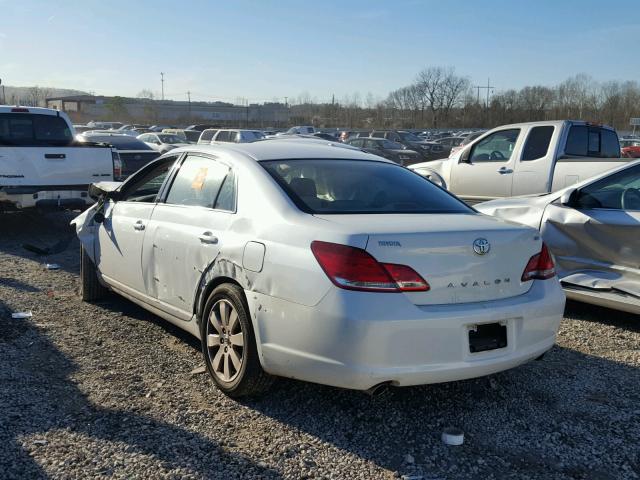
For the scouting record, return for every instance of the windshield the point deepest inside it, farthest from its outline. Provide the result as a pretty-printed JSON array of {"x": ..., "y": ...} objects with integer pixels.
[
  {"x": 409, "y": 137},
  {"x": 29, "y": 129},
  {"x": 356, "y": 186},
  {"x": 171, "y": 138}
]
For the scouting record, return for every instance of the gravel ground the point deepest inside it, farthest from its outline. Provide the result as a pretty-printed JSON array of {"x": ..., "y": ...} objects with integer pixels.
[{"x": 107, "y": 390}]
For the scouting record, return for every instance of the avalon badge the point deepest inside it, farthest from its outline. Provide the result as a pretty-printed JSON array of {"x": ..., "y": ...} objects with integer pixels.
[{"x": 481, "y": 246}]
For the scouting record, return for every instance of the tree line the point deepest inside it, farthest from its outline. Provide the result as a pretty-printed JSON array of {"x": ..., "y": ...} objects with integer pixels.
[{"x": 440, "y": 98}]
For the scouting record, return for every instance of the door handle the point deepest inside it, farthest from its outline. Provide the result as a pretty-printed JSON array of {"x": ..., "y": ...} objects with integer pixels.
[
  {"x": 138, "y": 225},
  {"x": 208, "y": 237},
  {"x": 504, "y": 170}
]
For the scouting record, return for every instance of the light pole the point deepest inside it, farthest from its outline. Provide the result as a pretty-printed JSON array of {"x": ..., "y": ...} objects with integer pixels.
[{"x": 162, "y": 82}]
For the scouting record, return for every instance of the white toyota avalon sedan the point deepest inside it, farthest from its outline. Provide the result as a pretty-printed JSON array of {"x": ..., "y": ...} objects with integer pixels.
[{"x": 320, "y": 263}]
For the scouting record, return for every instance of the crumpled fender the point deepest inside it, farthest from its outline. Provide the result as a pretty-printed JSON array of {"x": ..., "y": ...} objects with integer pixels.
[{"x": 86, "y": 230}]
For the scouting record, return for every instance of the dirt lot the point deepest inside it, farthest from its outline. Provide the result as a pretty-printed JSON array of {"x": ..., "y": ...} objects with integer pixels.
[{"x": 106, "y": 390}]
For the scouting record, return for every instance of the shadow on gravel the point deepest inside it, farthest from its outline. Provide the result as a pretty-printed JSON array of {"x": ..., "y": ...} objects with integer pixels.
[
  {"x": 568, "y": 416},
  {"x": 41, "y": 237},
  {"x": 607, "y": 316},
  {"x": 38, "y": 396}
]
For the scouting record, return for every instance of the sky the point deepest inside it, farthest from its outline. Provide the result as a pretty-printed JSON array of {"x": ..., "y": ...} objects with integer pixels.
[{"x": 265, "y": 50}]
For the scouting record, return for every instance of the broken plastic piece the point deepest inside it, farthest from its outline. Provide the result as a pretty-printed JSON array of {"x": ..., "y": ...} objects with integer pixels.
[
  {"x": 453, "y": 436},
  {"x": 52, "y": 266},
  {"x": 21, "y": 315}
]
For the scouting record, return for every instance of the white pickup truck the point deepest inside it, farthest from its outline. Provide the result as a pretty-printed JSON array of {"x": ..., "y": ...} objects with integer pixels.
[
  {"x": 41, "y": 164},
  {"x": 526, "y": 158}
]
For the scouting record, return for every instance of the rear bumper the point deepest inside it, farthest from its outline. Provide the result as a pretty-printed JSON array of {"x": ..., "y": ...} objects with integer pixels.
[
  {"x": 357, "y": 340},
  {"x": 36, "y": 197}
]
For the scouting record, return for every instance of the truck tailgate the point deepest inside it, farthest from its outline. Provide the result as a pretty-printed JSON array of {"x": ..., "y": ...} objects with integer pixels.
[{"x": 74, "y": 165}]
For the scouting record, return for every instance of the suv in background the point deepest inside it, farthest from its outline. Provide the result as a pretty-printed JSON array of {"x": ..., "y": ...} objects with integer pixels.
[{"x": 236, "y": 136}]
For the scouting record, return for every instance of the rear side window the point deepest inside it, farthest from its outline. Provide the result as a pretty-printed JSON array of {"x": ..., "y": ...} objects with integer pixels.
[
  {"x": 28, "y": 129},
  {"x": 537, "y": 144},
  {"x": 585, "y": 141},
  {"x": 359, "y": 187},
  {"x": 207, "y": 135},
  {"x": 197, "y": 183}
]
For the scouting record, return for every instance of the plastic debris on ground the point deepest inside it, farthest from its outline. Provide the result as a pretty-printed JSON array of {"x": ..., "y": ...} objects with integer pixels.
[
  {"x": 52, "y": 266},
  {"x": 21, "y": 315},
  {"x": 453, "y": 436}
]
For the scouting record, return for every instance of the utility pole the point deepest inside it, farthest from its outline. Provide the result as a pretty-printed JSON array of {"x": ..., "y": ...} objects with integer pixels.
[
  {"x": 162, "y": 82},
  {"x": 285, "y": 101},
  {"x": 4, "y": 99},
  {"x": 189, "y": 97},
  {"x": 487, "y": 88}
]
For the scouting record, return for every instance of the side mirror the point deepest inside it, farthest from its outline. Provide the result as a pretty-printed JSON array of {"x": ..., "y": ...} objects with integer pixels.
[
  {"x": 465, "y": 155},
  {"x": 569, "y": 197}
]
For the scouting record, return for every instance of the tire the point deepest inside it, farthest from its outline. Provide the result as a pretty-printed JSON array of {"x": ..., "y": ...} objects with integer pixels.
[
  {"x": 91, "y": 289},
  {"x": 227, "y": 335}
]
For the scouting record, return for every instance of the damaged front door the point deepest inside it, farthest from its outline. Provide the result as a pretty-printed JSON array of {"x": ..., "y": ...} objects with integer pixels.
[
  {"x": 121, "y": 235},
  {"x": 187, "y": 230},
  {"x": 596, "y": 238}
]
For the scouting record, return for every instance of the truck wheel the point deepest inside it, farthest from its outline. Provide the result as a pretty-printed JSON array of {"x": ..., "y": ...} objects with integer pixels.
[
  {"x": 91, "y": 289},
  {"x": 229, "y": 345}
]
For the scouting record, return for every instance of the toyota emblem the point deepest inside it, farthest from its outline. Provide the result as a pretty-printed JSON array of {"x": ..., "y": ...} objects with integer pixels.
[{"x": 481, "y": 246}]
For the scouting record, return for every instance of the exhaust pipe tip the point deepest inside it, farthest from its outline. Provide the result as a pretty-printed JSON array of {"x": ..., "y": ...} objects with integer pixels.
[{"x": 379, "y": 389}]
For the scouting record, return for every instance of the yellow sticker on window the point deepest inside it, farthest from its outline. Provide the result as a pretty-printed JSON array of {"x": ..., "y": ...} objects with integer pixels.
[{"x": 198, "y": 180}]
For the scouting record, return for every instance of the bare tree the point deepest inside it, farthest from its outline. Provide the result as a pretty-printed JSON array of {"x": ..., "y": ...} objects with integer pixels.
[{"x": 145, "y": 93}]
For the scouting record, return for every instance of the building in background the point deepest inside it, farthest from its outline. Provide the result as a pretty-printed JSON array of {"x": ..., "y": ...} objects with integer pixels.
[{"x": 84, "y": 108}]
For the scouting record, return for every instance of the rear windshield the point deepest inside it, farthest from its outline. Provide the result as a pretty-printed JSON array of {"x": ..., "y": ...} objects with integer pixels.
[
  {"x": 358, "y": 186},
  {"x": 586, "y": 141},
  {"x": 30, "y": 129},
  {"x": 121, "y": 142}
]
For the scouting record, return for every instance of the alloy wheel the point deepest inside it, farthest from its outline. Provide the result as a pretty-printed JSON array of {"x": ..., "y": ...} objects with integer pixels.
[{"x": 225, "y": 341}]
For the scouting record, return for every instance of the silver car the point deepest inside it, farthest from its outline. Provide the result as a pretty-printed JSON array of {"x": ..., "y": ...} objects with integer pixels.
[{"x": 593, "y": 230}]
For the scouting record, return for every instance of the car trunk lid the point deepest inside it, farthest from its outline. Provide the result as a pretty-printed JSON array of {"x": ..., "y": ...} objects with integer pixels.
[{"x": 441, "y": 249}]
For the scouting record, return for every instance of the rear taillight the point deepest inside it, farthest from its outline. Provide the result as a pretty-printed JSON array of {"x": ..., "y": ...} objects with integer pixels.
[
  {"x": 355, "y": 269},
  {"x": 117, "y": 165},
  {"x": 540, "y": 266}
]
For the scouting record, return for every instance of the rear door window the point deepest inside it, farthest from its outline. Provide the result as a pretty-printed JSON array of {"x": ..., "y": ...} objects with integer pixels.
[
  {"x": 34, "y": 130},
  {"x": 198, "y": 182},
  {"x": 538, "y": 143}
]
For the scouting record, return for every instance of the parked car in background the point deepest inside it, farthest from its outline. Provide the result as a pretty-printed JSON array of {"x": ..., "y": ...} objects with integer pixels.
[
  {"x": 448, "y": 143},
  {"x": 163, "y": 142},
  {"x": 207, "y": 136},
  {"x": 104, "y": 125},
  {"x": 393, "y": 151},
  {"x": 429, "y": 151},
  {"x": 466, "y": 140},
  {"x": 326, "y": 136},
  {"x": 158, "y": 128},
  {"x": 630, "y": 148},
  {"x": 188, "y": 136},
  {"x": 528, "y": 158},
  {"x": 41, "y": 164},
  {"x": 236, "y": 136},
  {"x": 593, "y": 231},
  {"x": 201, "y": 127},
  {"x": 133, "y": 153},
  {"x": 321, "y": 263},
  {"x": 301, "y": 130}
]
